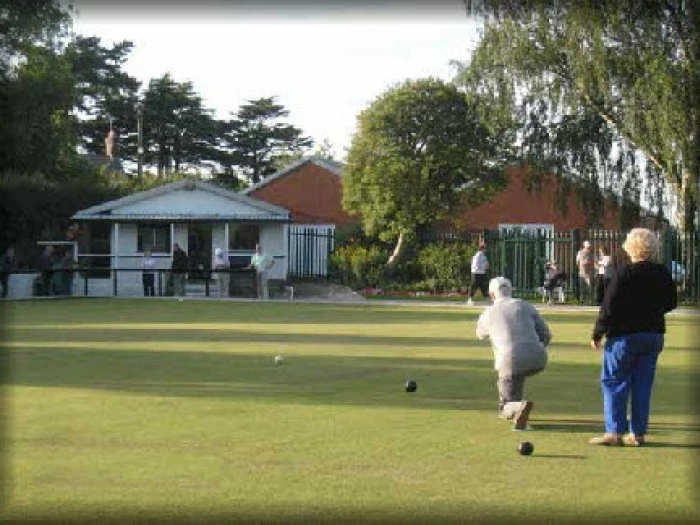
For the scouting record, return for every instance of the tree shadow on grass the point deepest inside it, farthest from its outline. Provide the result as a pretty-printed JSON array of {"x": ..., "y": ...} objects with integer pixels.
[
  {"x": 567, "y": 425},
  {"x": 223, "y": 334},
  {"x": 666, "y": 444},
  {"x": 203, "y": 333},
  {"x": 595, "y": 427},
  {"x": 560, "y": 456},
  {"x": 466, "y": 383},
  {"x": 254, "y": 313}
]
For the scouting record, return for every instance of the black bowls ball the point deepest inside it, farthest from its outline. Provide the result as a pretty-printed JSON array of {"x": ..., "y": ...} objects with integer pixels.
[{"x": 525, "y": 448}]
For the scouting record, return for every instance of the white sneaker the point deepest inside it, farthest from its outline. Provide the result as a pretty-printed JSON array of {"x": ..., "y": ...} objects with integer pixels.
[{"x": 470, "y": 302}]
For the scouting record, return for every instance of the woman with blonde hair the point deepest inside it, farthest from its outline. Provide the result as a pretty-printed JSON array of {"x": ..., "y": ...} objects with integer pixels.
[{"x": 631, "y": 318}]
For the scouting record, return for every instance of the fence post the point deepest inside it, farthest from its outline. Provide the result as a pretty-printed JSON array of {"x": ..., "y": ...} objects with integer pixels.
[
  {"x": 114, "y": 281},
  {"x": 85, "y": 279},
  {"x": 289, "y": 250},
  {"x": 575, "y": 243},
  {"x": 536, "y": 269}
]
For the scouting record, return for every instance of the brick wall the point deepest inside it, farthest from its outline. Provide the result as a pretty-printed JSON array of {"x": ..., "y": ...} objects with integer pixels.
[
  {"x": 311, "y": 193},
  {"x": 515, "y": 204}
]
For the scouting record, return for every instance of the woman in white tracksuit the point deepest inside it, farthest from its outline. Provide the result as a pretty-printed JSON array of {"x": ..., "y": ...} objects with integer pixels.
[{"x": 520, "y": 338}]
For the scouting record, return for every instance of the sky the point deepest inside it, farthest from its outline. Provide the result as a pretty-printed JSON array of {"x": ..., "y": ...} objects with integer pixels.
[{"x": 325, "y": 61}]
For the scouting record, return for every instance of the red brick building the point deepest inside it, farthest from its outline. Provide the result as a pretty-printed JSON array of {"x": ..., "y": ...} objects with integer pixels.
[
  {"x": 311, "y": 189},
  {"x": 518, "y": 205}
]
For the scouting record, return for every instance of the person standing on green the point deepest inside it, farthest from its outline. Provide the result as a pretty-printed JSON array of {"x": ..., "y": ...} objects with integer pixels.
[
  {"x": 45, "y": 265},
  {"x": 7, "y": 266},
  {"x": 57, "y": 278},
  {"x": 262, "y": 264},
  {"x": 68, "y": 273},
  {"x": 178, "y": 270}
]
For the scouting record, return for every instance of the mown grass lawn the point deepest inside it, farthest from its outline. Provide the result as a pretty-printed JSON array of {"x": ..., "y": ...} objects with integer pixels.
[{"x": 161, "y": 411}]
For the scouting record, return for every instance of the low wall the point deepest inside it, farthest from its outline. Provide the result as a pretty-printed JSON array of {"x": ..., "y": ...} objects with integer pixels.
[{"x": 128, "y": 284}]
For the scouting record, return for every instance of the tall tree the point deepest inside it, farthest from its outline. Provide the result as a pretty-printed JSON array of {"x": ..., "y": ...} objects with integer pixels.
[
  {"x": 104, "y": 92},
  {"x": 179, "y": 132},
  {"x": 606, "y": 90},
  {"x": 420, "y": 151},
  {"x": 257, "y": 137},
  {"x": 36, "y": 89},
  {"x": 38, "y": 129},
  {"x": 28, "y": 23}
]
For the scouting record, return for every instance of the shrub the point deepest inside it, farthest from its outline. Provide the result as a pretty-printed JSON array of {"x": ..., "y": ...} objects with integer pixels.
[
  {"x": 359, "y": 266},
  {"x": 446, "y": 267}
]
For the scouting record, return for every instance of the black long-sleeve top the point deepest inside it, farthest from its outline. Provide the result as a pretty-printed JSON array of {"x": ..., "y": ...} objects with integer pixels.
[
  {"x": 179, "y": 264},
  {"x": 636, "y": 300}
]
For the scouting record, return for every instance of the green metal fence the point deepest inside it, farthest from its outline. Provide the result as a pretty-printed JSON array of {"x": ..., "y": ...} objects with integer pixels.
[
  {"x": 521, "y": 256},
  {"x": 310, "y": 248}
]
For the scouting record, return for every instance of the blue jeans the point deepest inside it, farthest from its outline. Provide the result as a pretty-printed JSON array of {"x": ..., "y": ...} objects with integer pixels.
[{"x": 629, "y": 364}]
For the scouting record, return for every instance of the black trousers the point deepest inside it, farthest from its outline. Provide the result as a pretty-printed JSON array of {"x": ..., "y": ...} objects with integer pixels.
[
  {"x": 46, "y": 283},
  {"x": 149, "y": 288},
  {"x": 479, "y": 282},
  {"x": 601, "y": 284}
]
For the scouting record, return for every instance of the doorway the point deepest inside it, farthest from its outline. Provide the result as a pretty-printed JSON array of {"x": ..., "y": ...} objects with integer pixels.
[{"x": 199, "y": 250}]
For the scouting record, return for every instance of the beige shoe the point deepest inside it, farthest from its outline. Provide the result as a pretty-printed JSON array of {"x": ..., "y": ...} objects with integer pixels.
[
  {"x": 632, "y": 440},
  {"x": 520, "y": 419},
  {"x": 607, "y": 439}
]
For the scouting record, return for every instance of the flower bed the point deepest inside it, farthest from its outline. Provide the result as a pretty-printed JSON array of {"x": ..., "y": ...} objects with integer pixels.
[{"x": 379, "y": 293}]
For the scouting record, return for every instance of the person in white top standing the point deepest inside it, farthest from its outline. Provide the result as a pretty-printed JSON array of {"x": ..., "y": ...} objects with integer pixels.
[
  {"x": 148, "y": 276},
  {"x": 222, "y": 265},
  {"x": 605, "y": 272},
  {"x": 262, "y": 264},
  {"x": 585, "y": 260},
  {"x": 480, "y": 265}
]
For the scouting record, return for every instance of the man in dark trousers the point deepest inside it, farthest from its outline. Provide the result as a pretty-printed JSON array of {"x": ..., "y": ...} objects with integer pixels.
[
  {"x": 7, "y": 266},
  {"x": 179, "y": 270},
  {"x": 480, "y": 265},
  {"x": 46, "y": 268}
]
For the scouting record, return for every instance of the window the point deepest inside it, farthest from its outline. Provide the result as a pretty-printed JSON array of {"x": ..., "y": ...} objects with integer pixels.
[
  {"x": 243, "y": 236},
  {"x": 155, "y": 237}
]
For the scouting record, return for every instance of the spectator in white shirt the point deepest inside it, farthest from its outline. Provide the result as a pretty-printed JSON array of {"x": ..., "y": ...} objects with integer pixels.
[
  {"x": 605, "y": 272},
  {"x": 222, "y": 265},
  {"x": 585, "y": 260},
  {"x": 148, "y": 276},
  {"x": 480, "y": 265}
]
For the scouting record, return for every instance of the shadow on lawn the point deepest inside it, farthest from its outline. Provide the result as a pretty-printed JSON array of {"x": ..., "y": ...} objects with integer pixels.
[
  {"x": 172, "y": 312},
  {"x": 379, "y": 515},
  {"x": 204, "y": 332},
  {"x": 592, "y": 426},
  {"x": 664, "y": 444},
  {"x": 308, "y": 379},
  {"x": 227, "y": 334},
  {"x": 443, "y": 383},
  {"x": 560, "y": 456},
  {"x": 193, "y": 333},
  {"x": 567, "y": 425}
]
